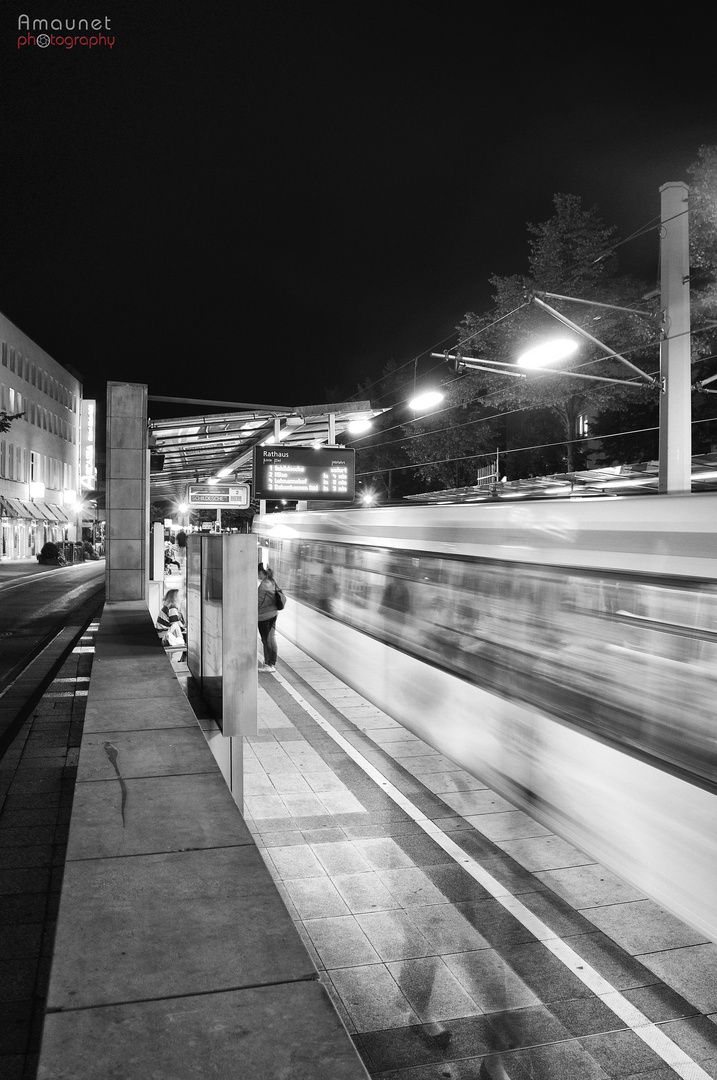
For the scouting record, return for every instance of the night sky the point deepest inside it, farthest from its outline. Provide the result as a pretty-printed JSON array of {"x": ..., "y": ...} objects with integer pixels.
[{"x": 267, "y": 202}]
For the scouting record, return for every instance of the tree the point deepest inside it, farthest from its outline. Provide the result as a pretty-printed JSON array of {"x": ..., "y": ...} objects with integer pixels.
[
  {"x": 380, "y": 457},
  {"x": 450, "y": 445},
  {"x": 703, "y": 214},
  {"x": 571, "y": 254},
  {"x": 703, "y": 263},
  {"x": 640, "y": 420},
  {"x": 7, "y": 418},
  {"x": 628, "y": 432},
  {"x": 404, "y": 456}
]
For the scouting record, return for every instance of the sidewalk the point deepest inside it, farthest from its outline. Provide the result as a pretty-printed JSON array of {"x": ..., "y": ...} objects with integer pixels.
[
  {"x": 37, "y": 778},
  {"x": 174, "y": 954}
]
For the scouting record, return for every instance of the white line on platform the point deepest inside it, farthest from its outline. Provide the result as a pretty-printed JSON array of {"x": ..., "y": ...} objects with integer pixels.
[{"x": 645, "y": 1029}]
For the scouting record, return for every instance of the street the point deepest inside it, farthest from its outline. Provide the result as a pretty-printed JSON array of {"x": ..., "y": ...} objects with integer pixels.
[{"x": 35, "y": 603}]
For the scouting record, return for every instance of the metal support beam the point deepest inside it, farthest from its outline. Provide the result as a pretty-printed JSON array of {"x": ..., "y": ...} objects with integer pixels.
[
  {"x": 558, "y": 315},
  {"x": 479, "y": 365},
  {"x": 676, "y": 403},
  {"x": 596, "y": 303}
]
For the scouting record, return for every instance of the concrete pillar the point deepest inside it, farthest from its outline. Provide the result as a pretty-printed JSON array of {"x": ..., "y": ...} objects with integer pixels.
[
  {"x": 675, "y": 467},
  {"x": 127, "y": 490}
]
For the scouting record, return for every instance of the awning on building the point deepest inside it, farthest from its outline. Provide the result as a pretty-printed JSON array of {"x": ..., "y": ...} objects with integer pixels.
[
  {"x": 13, "y": 508},
  {"x": 33, "y": 510},
  {"x": 53, "y": 512}
]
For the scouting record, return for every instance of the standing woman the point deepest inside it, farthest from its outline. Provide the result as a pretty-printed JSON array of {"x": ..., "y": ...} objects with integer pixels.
[{"x": 268, "y": 612}]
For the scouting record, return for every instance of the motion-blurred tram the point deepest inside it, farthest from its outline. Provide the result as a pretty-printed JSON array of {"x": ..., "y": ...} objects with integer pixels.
[{"x": 564, "y": 652}]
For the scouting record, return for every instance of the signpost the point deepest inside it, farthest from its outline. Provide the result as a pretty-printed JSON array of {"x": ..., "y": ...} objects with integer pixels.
[
  {"x": 304, "y": 473},
  {"x": 218, "y": 497}
]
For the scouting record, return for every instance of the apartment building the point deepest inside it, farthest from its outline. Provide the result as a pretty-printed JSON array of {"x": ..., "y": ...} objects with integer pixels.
[{"x": 40, "y": 454}]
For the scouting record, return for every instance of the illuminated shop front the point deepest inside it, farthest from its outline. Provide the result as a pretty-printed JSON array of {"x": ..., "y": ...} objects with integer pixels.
[{"x": 40, "y": 475}]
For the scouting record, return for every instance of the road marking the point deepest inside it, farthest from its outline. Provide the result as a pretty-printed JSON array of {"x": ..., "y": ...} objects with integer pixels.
[
  {"x": 645, "y": 1029},
  {"x": 15, "y": 583}
]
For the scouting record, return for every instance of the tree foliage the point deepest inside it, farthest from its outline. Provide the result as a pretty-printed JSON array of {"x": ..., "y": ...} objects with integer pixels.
[
  {"x": 7, "y": 418},
  {"x": 703, "y": 211},
  {"x": 534, "y": 418},
  {"x": 572, "y": 255},
  {"x": 638, "y": 421},
  {"x": 703, "y": 253},
  {"x": 405, "y": 455},
  {"x": 381, "y": 461},
  {"x": 450, "y": 445}
]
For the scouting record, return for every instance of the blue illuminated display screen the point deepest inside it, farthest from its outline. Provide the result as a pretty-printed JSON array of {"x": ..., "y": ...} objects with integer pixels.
[{"x": 304, "y": 473}]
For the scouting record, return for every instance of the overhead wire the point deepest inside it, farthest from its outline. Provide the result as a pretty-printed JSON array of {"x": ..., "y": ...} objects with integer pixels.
[
  {"x": 652, "y": 225},
  {"x": 405, "y": 438},
  {"x": 643, "y": 230},
  {"x": 490, "y": 454},
  {"x": 570, "y": 273},
  {"x": 483, "y": 397}
]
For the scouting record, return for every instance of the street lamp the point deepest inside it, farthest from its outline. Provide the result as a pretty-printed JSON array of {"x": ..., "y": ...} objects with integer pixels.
[
  {"x": 675, "y": 454},
  {"x": 426, "y": 400},
  {"x": 355, "y": 427},
  {"x": 547, "y": 353}
]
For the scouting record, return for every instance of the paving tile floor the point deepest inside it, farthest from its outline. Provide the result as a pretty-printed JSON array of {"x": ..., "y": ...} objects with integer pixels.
[
  {"x": 429, "y": 966},
  {"x": 37, "y": 780}
]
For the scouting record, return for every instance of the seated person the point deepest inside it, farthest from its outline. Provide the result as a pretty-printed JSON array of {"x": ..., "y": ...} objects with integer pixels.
[
  {"x": 170, "y": 621},
  {"x": 169, "y": 559}
]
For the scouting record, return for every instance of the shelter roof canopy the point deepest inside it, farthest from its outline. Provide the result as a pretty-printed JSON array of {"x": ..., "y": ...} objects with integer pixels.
[{"x": 193, "y": 449}]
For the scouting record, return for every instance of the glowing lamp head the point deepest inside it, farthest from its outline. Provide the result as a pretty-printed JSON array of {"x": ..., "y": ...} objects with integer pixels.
[
  {"x": 548, "y": 353},
  {"x": 426, "y": 400},
  {"x": 357, "y": 426}
]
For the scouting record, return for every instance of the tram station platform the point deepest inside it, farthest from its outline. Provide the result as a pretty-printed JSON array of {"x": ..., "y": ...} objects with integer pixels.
[
  {"x": 374, "y": 910},
  {"x": 446, "y": 924}
]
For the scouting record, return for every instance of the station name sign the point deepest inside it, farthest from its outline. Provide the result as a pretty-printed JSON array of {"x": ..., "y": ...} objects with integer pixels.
[
  {"x": 304, "y": 473},
  {"x": 218, "y": 496}
]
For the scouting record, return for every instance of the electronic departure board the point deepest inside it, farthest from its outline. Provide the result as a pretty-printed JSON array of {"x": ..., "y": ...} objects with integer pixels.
[
  {"x": 230, "y": 496},
  {"x": 304, "y": 473}
]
